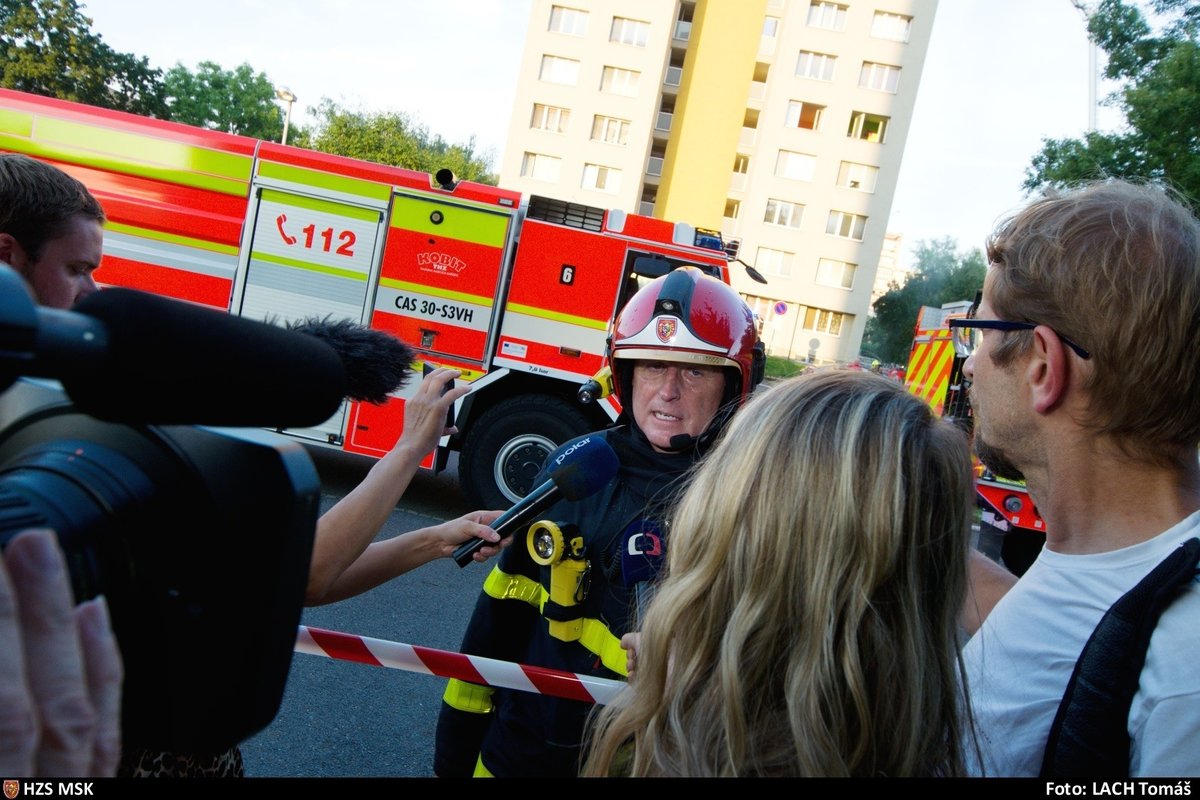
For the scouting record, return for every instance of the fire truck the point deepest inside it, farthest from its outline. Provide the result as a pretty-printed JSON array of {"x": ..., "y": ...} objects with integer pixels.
[
  {"x": 1010, "y": 523},
  {"x": 516, "y": 292}
]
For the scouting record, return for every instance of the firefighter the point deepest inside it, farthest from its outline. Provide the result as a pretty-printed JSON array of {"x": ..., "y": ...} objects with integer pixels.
[{"x": 685, "y": 355}]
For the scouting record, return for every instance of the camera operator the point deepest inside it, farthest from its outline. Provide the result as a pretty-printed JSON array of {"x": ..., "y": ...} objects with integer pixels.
[{"x": 60, "y": 683}]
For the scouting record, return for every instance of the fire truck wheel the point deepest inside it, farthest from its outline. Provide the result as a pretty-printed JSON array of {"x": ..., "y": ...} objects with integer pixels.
[{"x": 506, "y": 447}]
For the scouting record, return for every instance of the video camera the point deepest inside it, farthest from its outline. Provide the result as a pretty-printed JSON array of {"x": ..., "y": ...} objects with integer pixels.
[{"x": 199, "y": 538}]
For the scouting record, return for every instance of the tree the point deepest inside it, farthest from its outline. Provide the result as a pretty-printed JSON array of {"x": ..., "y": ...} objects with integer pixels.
[
  {"x": 234, "y": 101},
  {"x": 943, "y": 275},
  {"x": 393, "y": 138},
  {"x": 1160, "y": 97},
  {"x": 47, "y": 47}
]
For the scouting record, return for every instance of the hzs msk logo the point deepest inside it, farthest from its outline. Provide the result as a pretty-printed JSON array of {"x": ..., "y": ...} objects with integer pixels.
[{"x": 12, "y": 789}]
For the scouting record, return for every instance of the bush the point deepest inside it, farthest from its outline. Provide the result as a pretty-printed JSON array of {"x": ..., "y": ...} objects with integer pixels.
[{"x": 780, "y": 367}]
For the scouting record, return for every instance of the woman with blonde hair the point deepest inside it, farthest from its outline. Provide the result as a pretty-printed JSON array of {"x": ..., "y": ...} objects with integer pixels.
[{"x": 808, "y": 623}]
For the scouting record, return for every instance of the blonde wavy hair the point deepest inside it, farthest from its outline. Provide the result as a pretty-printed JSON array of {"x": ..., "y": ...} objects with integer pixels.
[{"x": 808, "y": 622}]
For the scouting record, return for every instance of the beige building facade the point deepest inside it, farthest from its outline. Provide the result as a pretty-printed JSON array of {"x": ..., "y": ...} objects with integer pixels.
[{"x": 780, "y": 123}]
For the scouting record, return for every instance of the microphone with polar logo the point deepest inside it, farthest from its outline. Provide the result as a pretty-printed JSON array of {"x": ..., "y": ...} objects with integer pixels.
[
  {"x": 578, "y": 469},
  {"x": 642, "y": 556}
]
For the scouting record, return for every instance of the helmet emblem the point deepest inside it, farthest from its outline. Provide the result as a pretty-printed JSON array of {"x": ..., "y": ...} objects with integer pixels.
[{"x": 666, "y": 328}]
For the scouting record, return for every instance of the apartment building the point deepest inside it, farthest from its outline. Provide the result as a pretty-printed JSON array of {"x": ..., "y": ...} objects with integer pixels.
[{"x": 780, "y": 123}]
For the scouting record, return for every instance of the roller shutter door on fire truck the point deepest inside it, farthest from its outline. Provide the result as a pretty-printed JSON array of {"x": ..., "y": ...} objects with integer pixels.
[{"x": 310, "y": 257}]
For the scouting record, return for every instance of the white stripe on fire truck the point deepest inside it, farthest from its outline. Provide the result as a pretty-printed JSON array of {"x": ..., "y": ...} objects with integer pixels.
[
  {"x": 553, "y": 332},
  {"x": 169, "y": 254}
]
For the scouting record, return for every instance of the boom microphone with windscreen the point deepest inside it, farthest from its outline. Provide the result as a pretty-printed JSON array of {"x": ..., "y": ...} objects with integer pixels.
[
  {"x": 578, "y": 469},
  {"x": 168, "y": 362}
]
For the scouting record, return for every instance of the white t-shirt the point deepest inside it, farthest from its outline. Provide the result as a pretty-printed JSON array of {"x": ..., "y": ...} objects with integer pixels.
[{"x": 1019, "y": 662}]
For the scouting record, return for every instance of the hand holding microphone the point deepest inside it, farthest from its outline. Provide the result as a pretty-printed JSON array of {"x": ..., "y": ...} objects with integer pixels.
[{"x": 578, "y": 469}]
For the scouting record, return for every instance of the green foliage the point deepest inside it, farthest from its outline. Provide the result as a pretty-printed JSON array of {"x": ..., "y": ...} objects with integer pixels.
[
  {"x": 395, "y": 139},
  {"x": 780, "y": 367},
  {"x": 943, "y": 275},
  {"x": 235, "y": 101},
  {"x": 1160, "y": 98},
  {"x": 47, "y": 47}
]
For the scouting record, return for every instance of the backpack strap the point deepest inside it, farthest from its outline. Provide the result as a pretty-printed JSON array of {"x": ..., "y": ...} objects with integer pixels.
[{"x": 1089, "y": 736}]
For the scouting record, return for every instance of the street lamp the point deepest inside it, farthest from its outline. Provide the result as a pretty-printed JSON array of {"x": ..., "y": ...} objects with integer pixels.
[{"x": 285, "y": 94}]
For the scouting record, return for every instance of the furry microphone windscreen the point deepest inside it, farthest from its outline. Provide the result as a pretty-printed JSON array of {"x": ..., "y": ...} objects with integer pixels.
[{"x": 376, "y": 362}]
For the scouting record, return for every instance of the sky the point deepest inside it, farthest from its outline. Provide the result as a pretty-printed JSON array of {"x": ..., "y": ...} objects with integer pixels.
[{"x": 998, "y": 78}]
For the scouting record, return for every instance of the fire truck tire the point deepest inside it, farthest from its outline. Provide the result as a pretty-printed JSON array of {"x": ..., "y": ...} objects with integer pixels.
[{"x": 506, "y": 447}]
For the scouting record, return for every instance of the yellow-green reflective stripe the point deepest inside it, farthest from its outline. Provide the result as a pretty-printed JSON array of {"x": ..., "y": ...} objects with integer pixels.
[
  {"x": 557, "y": 317},
  {"x": 433, "y": 291},
  {"x": 16, "y": 122},
  {"x": 324, "y": 206},
  {"x": 171, "y": 238},
  {"x": 502, "y": 586},
  {"x": 595, "y": 637},
  {"x": 310, "y": 267},
  {"x": 324, "y": 180},
  {"x": 114, "y": 163},
  {"x": 469, "y": 697},
  {"x": 488, "y": 228},
  {"x": 480, "y": 770}
]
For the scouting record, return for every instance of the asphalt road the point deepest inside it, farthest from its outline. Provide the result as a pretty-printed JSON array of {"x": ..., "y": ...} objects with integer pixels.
[{"x": 339, "y": 718}]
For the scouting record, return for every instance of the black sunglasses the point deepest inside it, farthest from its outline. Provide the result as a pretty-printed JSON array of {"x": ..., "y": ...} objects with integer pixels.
[{"x": 969, "y": 340}]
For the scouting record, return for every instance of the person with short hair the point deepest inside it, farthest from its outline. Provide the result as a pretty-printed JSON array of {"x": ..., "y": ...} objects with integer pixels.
[
  {"x": 1084, "y": 382},
  {"x": 808, "y": 622},
  {"x": 51, "y": 230}
]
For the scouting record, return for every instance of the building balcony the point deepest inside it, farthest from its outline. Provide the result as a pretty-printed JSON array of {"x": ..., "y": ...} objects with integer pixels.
[
  {"x": 683, "y": 30},
  {"x": 663, "y": 123},
  {"x": 737, "y": 182},
  {"x": 758, "y": 92},
  {"x": 674, "y": 76},
  {"x": 646, "y": 209},
  {"x": 766, "y": 46},
  {"x": 748, "y": 137},
  {"x": 654, "y": 166}
]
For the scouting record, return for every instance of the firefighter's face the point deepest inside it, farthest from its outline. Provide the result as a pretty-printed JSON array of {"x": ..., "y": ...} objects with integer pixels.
[
  {"x": 670, "y": 399},
  {"x": 1002, "y": 430},
  {"x": 62, "y": 275}
]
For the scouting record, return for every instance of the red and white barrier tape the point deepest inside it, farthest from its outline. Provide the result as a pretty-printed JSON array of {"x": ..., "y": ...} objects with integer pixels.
[{"x": 447, "y": 664}]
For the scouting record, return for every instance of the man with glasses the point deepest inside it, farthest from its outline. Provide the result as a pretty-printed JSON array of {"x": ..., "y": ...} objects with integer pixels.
[{"x": 1085, "y": 382}]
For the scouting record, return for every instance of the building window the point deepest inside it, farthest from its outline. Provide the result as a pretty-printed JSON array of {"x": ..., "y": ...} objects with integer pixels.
[
  {"x": 629, "y": 31},
  {"x": 540, "y": 167},
  {"x": 773, "y": 262},
  {"x": 860, "y": 177},
  {"x": 871, "y": 127},
  {"x": 827, "y": 15},
  {"x": 880, "y": 77},
  {"x": 891, "y": 26},
  {"x": 822, "y": 321},
  {"x": 620, "y": 81},
  {"x": 770, "y": 27},
  {"x": 549, "y": 118},
  {"x": 797, "y": 166},
  {"x": 732, "y": 208},
  {"x": 846, "y": 225},
  {"x": 817, "y": 66},
  {"x": 559, "y": 70},
  {"x": 741, "y": 163},
  {"x": 602, "y": 179},
  {"x": 781, "y": 212},
  {"x": 610, "y": 129},
  {"x": 570, "y": 21},
  {"x": 836, "y": 273},
  {"x": 804, "y": 115}
]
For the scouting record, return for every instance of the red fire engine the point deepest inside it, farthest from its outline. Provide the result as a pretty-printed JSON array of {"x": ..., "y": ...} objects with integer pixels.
[
  {"x": 935, "y": 374},
  {"x": 516, "y": 292}
]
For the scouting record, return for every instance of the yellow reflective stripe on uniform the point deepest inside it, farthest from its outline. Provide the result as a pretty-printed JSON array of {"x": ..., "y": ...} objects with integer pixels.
[
  {"x": 502, "y": 586},
  {"x": 596, "y": 636},
  {"x": 469, "y": 697},
  {"x": 480, "y": 770}
]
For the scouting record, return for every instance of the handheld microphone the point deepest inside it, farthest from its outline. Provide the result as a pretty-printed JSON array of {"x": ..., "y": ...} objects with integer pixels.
[
  {"x": 165, "y": 362},
  {"x": 578, "y": 469},
  {"x": 376, "y": 362},
  {"x": 643, "y": 554}
]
